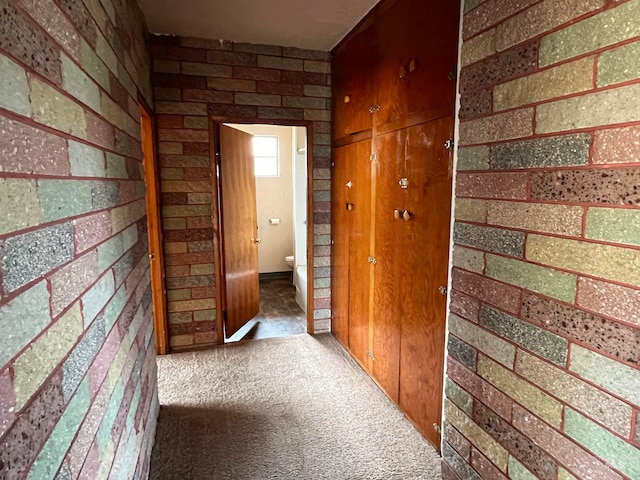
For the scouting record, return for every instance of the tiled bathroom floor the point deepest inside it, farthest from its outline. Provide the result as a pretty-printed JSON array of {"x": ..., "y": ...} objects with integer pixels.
[{"x": 280, "y": 315}]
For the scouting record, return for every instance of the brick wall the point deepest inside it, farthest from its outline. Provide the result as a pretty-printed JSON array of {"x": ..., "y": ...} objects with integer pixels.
[
  {"x": 544, "y": 345},
  {"x": 77, "y": 368},
  {"x": 194, "y": 78}
]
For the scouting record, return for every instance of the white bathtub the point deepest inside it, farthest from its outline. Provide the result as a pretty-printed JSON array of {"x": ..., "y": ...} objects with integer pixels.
[{"x": 300, "y": 281}]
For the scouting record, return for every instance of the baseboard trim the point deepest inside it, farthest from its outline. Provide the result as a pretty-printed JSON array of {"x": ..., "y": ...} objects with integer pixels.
[{"x": 270, "y": 275}]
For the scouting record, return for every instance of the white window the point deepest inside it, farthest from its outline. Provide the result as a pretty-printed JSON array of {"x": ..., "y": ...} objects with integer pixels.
[{"x": 266, "y": 156}]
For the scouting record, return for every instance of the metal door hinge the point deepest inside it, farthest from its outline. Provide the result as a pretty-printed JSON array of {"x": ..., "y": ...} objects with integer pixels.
[
  {"x": 436, "y": 427},
  {"x": 448, "y": 144},
  {"x": 371, "y": 355},
  {"x": 374, "y": 157},
  {"x": 443, "y": 291},
  {"x": 374, "y": 109},
  {"x": 372, "y": 260},
  {"x": 404, "y": 183},
  {"x": 452, "y": 75}
]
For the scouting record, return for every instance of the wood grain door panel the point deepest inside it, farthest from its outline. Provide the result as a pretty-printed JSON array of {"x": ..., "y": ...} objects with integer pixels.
[
  {"x": 434, "y": 47},
  {"x": 388, "y": 253},
  {"x": 240, "y": 221},
  {"x": 340, "y": 248},
  {"x": 426, "y": 250},
  {"x": 358, "y": 156}
]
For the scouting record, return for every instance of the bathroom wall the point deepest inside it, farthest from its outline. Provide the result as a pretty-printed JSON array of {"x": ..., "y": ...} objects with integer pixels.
[
  {"x": 544, "y": 345},
  {"x": 78, "y": 394},
  {"x": 300, "y": 195},
  {"x": 275, "y": 200},
  {"x": 194, "y": 78}
]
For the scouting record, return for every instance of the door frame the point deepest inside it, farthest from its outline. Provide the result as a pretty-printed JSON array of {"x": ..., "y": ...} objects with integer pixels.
[
  {"x": 218, "y": 227},
  {"x": 154, "y": 227}
]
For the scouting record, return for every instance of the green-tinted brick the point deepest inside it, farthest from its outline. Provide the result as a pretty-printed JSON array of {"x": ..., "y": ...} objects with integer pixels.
[
  {"x": 484, "y": 341},
  {"x": 612, "y": 449},
  {"x": 545, "y": 344},
  {"x": 38, "y": 361},
  {"x": 473, "y": 158},
  {"x": 591, "y": 401},
  {"x": 14, "y": 89},
  {"x": 619, "y": 65},
  {"x": 471, "y": 4},
  {"x": 609, "y": 374},
  {"x": 607, "y": 107},
  {"x": 52, "y": 454},
  {"x": 103, "y": 436},
  {"x": 458, "y": 396},
  {"x": 204, "y": 316},
  {"x": 78, "y": 84},
  {"x": 22, "y": 319},
  {"x": 109, "y": 252},
  {"x": 92, "y": 64},
  {"x": 603, "y": 261},
  {"x": 471, "y": 210},
  {"x": 97, "y": 297},
  {"x": 614, "y": 225},
  {"x": 114, "y": 308},
  {"x": 521, "y": 391},
  {"x": 116, "y": 166},
  {"x": 564, "y": 475},
  {"x": 517, "y": 471},
  {"x": 533, "y": 277},
  {"x": 478, "y": 47},
  {"x": 56, "y": 110},
  {"x": 468, "y": 259},
  {"x": 86, "y": 161},
  {"x": 607, "y": 28},
  {"x": 552, "y": 83},
  {"x": 476, "y": 435},
  {"x": 64, "y": 198},
  {"x": 20, "y": 205}
]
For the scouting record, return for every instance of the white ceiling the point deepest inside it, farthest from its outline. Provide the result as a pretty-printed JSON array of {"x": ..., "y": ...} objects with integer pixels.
[{"x": 312, "y": 24}]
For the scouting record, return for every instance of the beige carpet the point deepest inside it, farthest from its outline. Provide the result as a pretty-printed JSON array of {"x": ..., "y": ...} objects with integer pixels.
[{"x": 283, "y": 408}]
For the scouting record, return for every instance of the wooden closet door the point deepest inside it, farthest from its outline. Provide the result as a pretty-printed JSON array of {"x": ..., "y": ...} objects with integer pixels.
[
  {"x": 393, "y": 60},
  {"x": 425, "y": 259},
  {"x": 354, "y": 74},
  {"x": 359, "y": 248},
  {"x": 387, "y": 293},
  {"x": 434, "y": 47},
  {"x": 340, "y": 247}
]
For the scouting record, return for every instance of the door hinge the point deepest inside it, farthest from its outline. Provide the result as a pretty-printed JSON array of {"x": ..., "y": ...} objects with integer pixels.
[
  {"x": 372, "y": 260},
  {"x": 374, "y": 109},
  {"x": 437, "y": 428},
  {"x": 452, "y": 75},
  {"x": 448, "y": 144},
  {"x": 371, "y": 355},
  {"x": 443, "y": 291},
  {"x": 374, "y": 157}
]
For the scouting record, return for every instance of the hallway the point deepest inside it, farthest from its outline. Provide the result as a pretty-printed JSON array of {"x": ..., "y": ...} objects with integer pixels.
[{"x": 287, "y": 408}]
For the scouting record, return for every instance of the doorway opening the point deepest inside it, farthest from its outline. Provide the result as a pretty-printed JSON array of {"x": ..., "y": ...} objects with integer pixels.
[{"x": 262, "y": 180}]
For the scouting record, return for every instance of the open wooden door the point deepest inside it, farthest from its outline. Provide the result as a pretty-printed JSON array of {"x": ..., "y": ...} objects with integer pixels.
[{"x": 239, "y": 232}]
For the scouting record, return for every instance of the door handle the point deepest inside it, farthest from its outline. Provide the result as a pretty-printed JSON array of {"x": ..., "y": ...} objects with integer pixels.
[{"x": 256, "y": 240}]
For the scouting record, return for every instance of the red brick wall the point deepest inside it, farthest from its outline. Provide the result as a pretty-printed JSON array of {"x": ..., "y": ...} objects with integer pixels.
[
  {"x": 544, "y": 345},
  {"x": 196, "y": 78},
  {"x": 77, "y": 364}
]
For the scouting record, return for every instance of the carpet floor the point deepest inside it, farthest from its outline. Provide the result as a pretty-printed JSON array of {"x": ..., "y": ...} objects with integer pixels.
[{"x": 297, "y": 407}]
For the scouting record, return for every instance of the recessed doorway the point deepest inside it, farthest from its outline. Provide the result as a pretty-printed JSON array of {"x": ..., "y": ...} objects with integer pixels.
[{"x": 262, "y": 239}]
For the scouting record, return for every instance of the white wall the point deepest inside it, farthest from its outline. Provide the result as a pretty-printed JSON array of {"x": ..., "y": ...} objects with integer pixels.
[
  {"x": 300, "y": 194},
  {"x": 275, "y": 200}
]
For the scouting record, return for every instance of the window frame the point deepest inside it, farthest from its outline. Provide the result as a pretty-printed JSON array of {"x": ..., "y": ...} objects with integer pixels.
[{"x": 267, "y": 157}]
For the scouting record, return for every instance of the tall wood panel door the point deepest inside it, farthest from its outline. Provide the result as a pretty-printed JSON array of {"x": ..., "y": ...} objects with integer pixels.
[
  {"x": 393, "y": 60},
  {"x": 359, "y": 186},
  {"x": 354, "y": 71},
  {"x": 340, "y": 248},
  {"x": 433, "y": 51},
  {"x": 387, "y": 293},
  {"x": 425, "y": 255}
]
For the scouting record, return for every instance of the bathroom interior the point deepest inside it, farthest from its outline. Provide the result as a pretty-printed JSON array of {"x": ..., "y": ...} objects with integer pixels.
[{"x": 280, "y": 155}]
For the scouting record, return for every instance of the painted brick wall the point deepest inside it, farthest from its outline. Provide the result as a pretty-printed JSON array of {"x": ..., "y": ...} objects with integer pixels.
[
  {"x": 194, "y": 78},
  {"x": 544, "y": 345},
  {"x": 77, "y": 363}
]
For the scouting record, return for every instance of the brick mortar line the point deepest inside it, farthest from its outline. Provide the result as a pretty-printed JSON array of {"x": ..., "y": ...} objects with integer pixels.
[
  {"x": 559, "y": 202},
  {"x": 466, "y": 18}
]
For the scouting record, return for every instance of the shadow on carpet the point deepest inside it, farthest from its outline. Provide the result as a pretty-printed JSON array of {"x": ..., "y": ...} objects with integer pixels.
[{"x": 284, "y": 408}]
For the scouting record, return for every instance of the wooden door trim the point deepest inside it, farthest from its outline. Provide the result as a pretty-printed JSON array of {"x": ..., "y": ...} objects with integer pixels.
[
  {"x": 216, "y": 212},
  {"x": 154, "y": 229}
]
